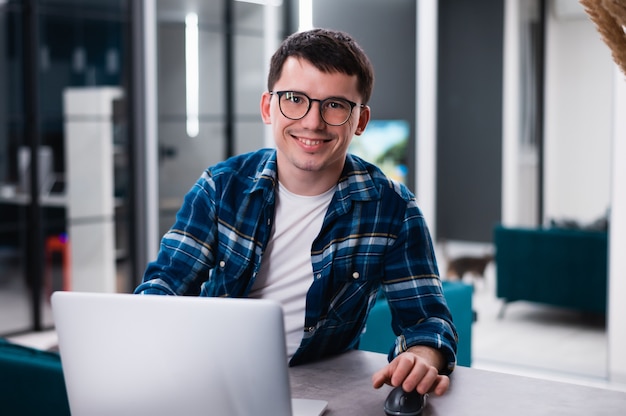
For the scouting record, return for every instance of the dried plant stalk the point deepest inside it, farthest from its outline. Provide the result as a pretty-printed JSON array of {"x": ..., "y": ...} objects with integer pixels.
[{"x": 609, "y": 17}]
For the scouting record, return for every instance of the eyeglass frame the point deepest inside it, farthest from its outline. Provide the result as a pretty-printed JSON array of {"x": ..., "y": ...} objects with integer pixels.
[{"x": 311, "y": 100}]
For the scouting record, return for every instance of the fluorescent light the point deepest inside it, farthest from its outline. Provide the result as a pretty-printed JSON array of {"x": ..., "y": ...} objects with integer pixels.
[
  {"x": 263, "y": 2},
  {"x": 305, "y": 18},
  {"x": 192, "y": 74},
  {"x": 79, "y": 59}
]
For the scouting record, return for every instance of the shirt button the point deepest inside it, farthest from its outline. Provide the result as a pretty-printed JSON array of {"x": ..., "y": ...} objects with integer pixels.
[
  {"x": 355, "y": 275},
  {"x": 222, "y": 264},
  {"x": 318, "y": 276}
]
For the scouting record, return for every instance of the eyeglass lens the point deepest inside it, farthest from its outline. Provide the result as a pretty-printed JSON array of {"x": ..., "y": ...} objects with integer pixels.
[{"x": 295, "y": 105}]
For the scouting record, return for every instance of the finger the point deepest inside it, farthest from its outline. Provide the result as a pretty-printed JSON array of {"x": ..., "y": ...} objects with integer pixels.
[
  {"x": 418, "y": 372},
  {"x": 378, "y": 379},
  {"x": 423, "y": 380},
  {"x": 441, "y": 385},
  {"x": 405, "y": 366},
  {"x": 383, "y": 376}
]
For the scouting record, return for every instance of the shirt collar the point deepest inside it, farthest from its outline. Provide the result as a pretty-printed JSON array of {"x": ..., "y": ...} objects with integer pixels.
[{"x": 356, "y": 182}]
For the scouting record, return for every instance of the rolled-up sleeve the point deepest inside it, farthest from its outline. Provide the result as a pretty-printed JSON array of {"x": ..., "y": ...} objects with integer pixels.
[
  {"x": 185, "y": 255},
  {"x": 420, "y": 315}
]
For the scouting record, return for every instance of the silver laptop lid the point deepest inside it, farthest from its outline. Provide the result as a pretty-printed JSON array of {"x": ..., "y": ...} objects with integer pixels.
[{"x": 128, "y": 354}]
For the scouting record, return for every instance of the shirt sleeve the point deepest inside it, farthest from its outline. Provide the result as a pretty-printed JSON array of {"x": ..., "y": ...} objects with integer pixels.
[
  {"x": 420, "y": 315},
  {"x": 186, "y": 251}
]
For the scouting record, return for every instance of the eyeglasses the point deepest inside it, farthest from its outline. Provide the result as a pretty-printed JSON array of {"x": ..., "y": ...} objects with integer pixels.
[{"x": 333, "y": 110}]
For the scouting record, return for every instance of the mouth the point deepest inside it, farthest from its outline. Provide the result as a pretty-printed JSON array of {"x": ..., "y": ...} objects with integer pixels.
[{"x": 311, "y": 142}]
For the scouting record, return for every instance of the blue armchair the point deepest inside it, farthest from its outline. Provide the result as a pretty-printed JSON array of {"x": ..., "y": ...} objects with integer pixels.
[{"x": 378, "y": 336}]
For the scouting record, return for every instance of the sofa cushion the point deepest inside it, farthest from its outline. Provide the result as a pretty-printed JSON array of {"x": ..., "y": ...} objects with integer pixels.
[
  {"x": 560, "y": 267},
  {"x": 31, "y": 381}
]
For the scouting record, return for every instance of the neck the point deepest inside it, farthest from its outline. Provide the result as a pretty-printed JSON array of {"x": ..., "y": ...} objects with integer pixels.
[{"x": 307, "y": 183}]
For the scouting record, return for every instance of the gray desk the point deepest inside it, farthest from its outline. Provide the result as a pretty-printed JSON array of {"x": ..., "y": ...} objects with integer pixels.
[{"x": 345, "y": 382}]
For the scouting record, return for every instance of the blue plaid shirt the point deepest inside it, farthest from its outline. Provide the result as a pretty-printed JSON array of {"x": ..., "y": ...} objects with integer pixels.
[{"x": 373, "y": 236}]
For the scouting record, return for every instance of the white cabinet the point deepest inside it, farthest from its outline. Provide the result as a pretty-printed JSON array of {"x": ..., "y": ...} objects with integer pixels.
[{"x": 89, "y": 175}]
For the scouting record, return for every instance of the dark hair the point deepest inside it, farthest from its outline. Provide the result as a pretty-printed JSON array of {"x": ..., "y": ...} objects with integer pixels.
[{"x": 329, "y": 51}]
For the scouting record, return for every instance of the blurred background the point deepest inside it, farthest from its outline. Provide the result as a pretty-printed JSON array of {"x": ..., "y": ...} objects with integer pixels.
[{"x": 494, "y": 112}]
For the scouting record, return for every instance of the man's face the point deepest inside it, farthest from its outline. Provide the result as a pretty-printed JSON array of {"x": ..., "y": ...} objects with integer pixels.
[{"x": 309, "y": 146}]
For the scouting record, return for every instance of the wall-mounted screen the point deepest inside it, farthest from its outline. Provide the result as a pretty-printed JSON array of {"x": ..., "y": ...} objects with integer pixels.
[{"x": 385, "y": 144}]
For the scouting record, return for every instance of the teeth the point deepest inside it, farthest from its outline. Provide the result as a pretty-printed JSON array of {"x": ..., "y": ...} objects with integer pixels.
[{"x": 310, "y": 142}]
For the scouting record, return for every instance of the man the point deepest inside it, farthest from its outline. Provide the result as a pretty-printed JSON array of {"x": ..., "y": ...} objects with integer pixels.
[{"x": 314, "y": 228}]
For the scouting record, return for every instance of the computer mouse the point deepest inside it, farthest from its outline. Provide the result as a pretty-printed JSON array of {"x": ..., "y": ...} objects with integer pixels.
[{"x": 402, "y": 403}]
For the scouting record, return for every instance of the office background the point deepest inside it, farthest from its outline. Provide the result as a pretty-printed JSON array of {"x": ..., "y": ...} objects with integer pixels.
[{"x": 552, "y": 103}]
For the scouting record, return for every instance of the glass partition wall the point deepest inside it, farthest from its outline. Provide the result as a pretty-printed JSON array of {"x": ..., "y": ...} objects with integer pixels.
[
  {"x": 67, "y": 69},
  {"x": 212, "y": 64},
  {"x": 64, "y": 211}
]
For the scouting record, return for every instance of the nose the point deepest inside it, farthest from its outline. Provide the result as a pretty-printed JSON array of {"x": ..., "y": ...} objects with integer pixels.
[{"x": 313, "y": 119}]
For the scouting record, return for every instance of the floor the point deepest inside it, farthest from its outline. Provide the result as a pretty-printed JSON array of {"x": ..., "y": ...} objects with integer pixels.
[
  {"x": 530, "y": 339},
  {"x": 539, "y": 341}
]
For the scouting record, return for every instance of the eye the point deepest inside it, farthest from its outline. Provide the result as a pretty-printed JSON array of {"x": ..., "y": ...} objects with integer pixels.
[
  {"x": 294, "y": 97},
  {"x": 337, "y": 104}
]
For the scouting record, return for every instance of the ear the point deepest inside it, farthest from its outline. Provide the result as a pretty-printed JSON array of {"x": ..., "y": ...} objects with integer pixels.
[
  {"x": 266, "y": 100},
  {"x": 364, "y": 118}
]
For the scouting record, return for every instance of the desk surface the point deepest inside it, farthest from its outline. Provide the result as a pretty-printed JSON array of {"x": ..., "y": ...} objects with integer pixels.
[{"x": 345, "y": 382}]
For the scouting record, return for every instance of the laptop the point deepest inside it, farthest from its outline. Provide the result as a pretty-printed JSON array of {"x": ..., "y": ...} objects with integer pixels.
[{"x": 127, "y": 354}]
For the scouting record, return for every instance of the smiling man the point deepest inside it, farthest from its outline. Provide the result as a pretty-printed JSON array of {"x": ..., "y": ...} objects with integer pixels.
[{"x": 314, "y": 228}]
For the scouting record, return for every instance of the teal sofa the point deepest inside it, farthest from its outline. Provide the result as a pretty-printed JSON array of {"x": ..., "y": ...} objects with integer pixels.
[
  {"x": 555, "y": 266},
  {"x": 379, "y": 337},
  {"x": 31, "y": 382}
]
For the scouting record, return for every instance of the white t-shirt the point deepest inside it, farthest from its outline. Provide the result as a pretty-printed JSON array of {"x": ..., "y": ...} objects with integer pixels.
[{"x": 286, "y": 272}]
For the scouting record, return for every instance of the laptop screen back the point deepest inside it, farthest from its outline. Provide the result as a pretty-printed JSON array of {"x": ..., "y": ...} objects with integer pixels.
[{"x": 128, "y": 354}]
